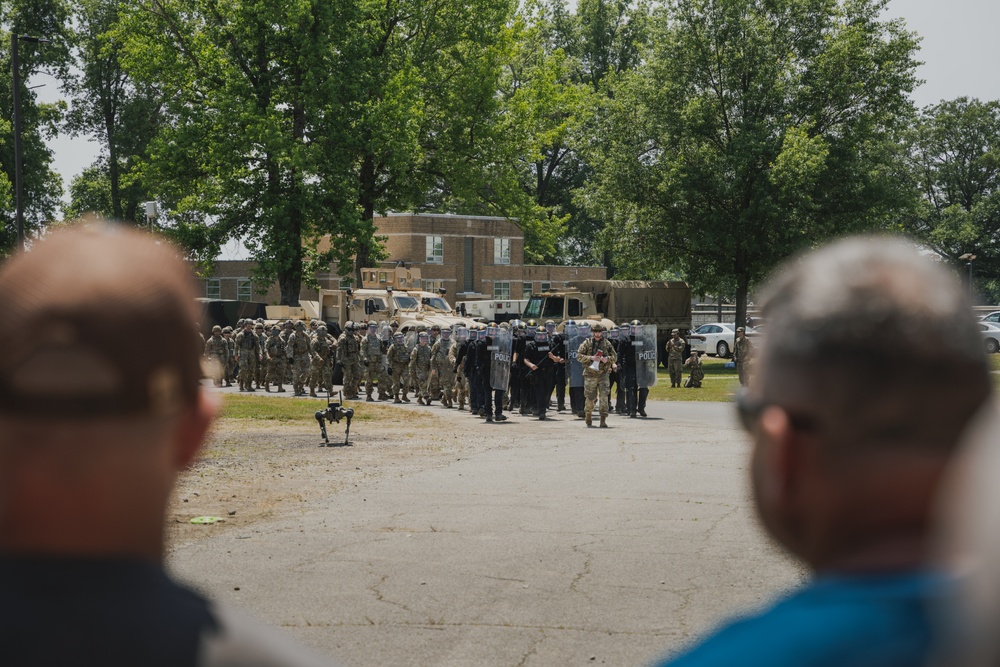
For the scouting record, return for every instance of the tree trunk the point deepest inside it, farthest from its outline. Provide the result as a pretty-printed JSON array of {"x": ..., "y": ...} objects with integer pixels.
[
  {"x": 742, "y": 290},
  {"x": 114, "y": 171},
  {"x": 362, "y": 258}
]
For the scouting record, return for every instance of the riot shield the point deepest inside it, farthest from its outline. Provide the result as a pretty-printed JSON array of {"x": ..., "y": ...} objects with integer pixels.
[
  {"x": 500, "y": 355},
  {"x": 644, "y": 346},
  {"x": 573, "y": 342}
]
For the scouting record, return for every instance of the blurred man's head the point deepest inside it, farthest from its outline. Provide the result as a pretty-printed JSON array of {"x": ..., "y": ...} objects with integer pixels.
[
  {"x": 870, "y": 371},
  {"x": 100, "y": 405}
]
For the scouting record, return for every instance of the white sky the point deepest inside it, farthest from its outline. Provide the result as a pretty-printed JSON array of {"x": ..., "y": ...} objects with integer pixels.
[{"x": 960, "y": 51}]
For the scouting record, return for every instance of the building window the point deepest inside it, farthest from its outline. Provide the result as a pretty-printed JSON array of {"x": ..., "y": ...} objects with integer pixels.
[
  {"x": 501, "y": 291},
  {"x": 435, "y": 249},
  {"x": 433, "y": 285},
  {"x": 213, "y": 288},
  {"x": 546, "y": 287},
  {"x": 501, "y": 251},
  {"x": 526, "y": 290},
  {"x": 244, "y": 289}
]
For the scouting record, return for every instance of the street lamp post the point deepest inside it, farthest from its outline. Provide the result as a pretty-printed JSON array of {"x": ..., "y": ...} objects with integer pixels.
[
  {"x": 15, "y": 64},
  {"x": 969, "y": 258}
]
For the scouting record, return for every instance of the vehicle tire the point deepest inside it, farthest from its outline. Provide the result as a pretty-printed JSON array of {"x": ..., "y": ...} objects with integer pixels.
[
  {"x": 992, "y": 346},
  {"x": 722, "y": 349}
]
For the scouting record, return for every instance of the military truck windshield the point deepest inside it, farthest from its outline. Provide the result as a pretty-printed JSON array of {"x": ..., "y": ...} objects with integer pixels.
[
  {"x": 437, "y": 303},
  {"x": 360, "y": 303},
  {"x": 553, "y": 307},
  {"x": 406, "y": 303},
  {"x": 533, "y": 310}
]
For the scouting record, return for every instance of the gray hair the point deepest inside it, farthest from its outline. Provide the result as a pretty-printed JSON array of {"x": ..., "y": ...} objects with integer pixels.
[{"x": 871, "y": 328}]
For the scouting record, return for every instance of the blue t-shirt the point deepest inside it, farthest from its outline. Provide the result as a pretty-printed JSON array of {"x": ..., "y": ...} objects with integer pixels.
[{"x": 858, "y": 621}]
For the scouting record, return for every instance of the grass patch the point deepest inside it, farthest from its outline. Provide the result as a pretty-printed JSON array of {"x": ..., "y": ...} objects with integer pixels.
[
  {"x": 994, "y": 360},
  {"x": 720, "y": 384},
  {"x": 265, "y": 408}
]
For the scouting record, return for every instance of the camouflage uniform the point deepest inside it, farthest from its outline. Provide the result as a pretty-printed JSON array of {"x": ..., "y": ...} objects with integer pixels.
[
  {"x": 596, "y": 384},
  {"x": 262, "y": 366},
  {"x": 697, "y": 371},
  {"x": 276, "y": 361},
  {"x": 227, "y": 333},
  {"x": 399, "y": 361},
  {"x": 349, "y": 357},
  {"x": 461, "y": 382},
  {"x": 742, "y": 353},
  {"x": 373, "y": 362},
  {"x": 675, "y": 358},
  {"x": 217, "y": 352},
  {"x": 249, "y": 354},
  {"x": 286, "y": 331},
  {"x": 297, "y": 351},
  {"x": 322, "y": 362},
  {"x": 420, "y": 369},
  {"x": 442, "y": 371}
]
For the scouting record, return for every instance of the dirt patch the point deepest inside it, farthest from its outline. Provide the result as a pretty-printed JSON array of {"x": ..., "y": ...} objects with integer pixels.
[{"x": 252, "y": 470}]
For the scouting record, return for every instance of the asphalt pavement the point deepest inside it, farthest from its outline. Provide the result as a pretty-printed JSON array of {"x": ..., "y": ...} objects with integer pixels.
[{"x": 550, "y": 544}]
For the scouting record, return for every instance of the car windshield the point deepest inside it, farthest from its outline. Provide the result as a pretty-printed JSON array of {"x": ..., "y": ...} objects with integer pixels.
[
  {"x": 406, "y": 303},
  {"x": 534, "y": 308}
]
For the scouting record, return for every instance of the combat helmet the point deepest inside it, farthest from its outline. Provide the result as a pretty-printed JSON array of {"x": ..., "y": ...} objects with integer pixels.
[{"x": 216, "y": 329}]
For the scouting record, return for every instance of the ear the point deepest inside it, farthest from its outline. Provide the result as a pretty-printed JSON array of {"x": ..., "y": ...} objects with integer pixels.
[
  {"x": 193, "y": 428},
  {"x": 777, "y": 456}
]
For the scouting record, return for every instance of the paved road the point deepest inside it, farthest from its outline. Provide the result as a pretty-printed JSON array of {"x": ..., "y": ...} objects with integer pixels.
[{"x": 552, "y": 544}]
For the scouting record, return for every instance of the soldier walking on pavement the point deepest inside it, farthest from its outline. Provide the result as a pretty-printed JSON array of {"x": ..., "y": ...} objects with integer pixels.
[
  {"x": 322, "y": 362},
  {"x": 441, "y": 368},
  {"x": 249, "y": 355},
  {"x": 399, "y": 361},
  {"x": 742, "y": 353},
  {"x": 598, "y": 358},
  {"x": 675, "y": 357},
  {"x": 276, "y": 357},
  {"x": 217, "y": 352},
  {"x": 541, "y": 362},
  {"x": 348, "y": 355},
  {"x": 420, "y": 366},
  {"x": 297, "y": 350},
  {"x": 374, "y": 364}
]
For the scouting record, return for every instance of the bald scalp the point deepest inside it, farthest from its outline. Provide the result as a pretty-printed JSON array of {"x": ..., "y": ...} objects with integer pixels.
[{"x": 878, "y": 342}]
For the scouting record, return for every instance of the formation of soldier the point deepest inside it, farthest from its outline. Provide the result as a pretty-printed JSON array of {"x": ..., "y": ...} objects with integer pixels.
[{"x": 517, "y": 366}]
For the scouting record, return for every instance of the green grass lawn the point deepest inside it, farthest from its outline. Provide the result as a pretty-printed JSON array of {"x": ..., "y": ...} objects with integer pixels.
[
  {"x": 236, "y": 406},
  {"x": 719, "y": 385}
]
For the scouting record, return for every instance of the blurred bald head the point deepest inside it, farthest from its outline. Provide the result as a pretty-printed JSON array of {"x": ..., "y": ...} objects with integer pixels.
[
  {"x": 878, "y": 341},
  {"x": 100, "y": 404}
]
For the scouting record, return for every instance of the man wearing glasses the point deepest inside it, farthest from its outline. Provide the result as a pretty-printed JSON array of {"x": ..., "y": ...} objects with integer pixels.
[{"x": 870, "y": 370}]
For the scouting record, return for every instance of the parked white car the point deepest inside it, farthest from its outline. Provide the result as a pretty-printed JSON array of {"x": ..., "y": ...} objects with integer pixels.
[
  {"x": 716, "y": 338},
  {"x": 993, "y": 317},
  {"x": 991, "y": 337}
]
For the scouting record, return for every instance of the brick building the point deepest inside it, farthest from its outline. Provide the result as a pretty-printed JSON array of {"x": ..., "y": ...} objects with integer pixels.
[{"x": 462, "y": 254}]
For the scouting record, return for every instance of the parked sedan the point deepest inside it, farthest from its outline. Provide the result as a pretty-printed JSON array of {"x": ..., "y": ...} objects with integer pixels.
[
  {"x": 715, "y": 338},
  {"x": 993, "y": 317},
  {"x": 991, "y": 337}
]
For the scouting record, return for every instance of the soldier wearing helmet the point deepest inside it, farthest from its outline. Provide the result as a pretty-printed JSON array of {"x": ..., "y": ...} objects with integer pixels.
[
  {"x": 321, "y": 356},
  {"x": 540, "y": 361},
  {"x": 557, "y": 342},
  {"x": 276, "y": 360},
  {"x": 398, "y": 358},
  {"x": 742, "y": 353},
  {"x": 455, "y": 356},
  {"x": 249, "y": 354},
  {"x": 420, "y": 367},
  {"x": 599, "y": 358},
  {"x": 230, "y": 377},
  {"x": 297, "y": 352},
  {"x": 348, "y": 355},
  {"x": 374, "y": 364},
  {"x": 442, "y": 368},
  {"x": 258, "y": 329},
  {"x": 217, "y": 355}
]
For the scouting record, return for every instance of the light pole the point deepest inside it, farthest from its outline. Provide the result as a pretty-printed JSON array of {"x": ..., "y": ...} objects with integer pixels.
[
  {"x": 969, "y": 258},
  {"x": 15, "y": 64},
  {"x": 151, "y": 212}
]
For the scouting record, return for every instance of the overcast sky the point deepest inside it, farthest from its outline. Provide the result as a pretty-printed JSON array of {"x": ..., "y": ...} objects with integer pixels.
[{"x": 960, "y": 52}]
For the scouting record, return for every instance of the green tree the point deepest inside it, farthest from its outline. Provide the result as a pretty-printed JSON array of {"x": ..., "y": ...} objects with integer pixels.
[
  {"x": 754, "y": 128},
  {"x": 42, "y": 185},
  {"x": 109, "y": 107},
  {"x": 954, "y": 160}
]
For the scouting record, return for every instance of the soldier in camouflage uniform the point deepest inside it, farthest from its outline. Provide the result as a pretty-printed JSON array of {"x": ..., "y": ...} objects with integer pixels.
[
  {"x": 276, "y": 360},
  {"x": 420, "y": 368},
  {"x": 675, "y": 357},
  {"x": 442, "y": 369},
  {"x": 297, "y": 351},
  {"x": 742, "y": 353},
  {"x": 693, "y": 363},
  {"x": 217, "y": 353},
  {"x": 322, "y": 362},
  {"x": 349, "y": 357},
  {"x": 261, "y": 375},
  {"x": 398, "y": 357},
  {"x": 433, "y": 383},
  {"x": 461, "y": 383},
  {"x": 249, "y": 354},
  {"x": 595, "y": 382},
  {"x": 373, "y": 362},
  {"x": 286, "y": 331},
  {"x": 227, "y": 333}
]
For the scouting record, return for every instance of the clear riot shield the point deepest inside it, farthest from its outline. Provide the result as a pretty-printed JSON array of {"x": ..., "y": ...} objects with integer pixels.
[
  {"x": 500, "y": 354},
  {"x": 644, "y": 347},
  {"x": 573, "y": 342},
  {"x": 385, "y": 332},
  {"x": 461, "y": 334}
]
